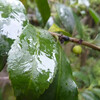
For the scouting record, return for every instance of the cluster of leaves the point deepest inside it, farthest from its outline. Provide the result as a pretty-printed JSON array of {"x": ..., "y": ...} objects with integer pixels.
[{"x": 36, "y": 60}]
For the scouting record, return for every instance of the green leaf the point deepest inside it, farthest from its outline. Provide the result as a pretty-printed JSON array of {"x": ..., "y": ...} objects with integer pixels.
[
  {"x": 66, "y": 17},
  {"x": 78, "y": 25},
  {"x": 5, "y": 44},
  {"x": 55, "y": 28},
  {"x": 44, "y": 9},
  {"x": 94, "y": 15},
  {"x": 37, "y": 66},
  {"x": 12, "y": 21},
  {"x": 96, "y": 41},
  {"x": 63, "y": 86},
  {"x": 32, "y": 61}
]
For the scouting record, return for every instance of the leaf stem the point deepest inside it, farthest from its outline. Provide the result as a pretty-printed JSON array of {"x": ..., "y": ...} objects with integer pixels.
[{"x": 75, "y": 40}]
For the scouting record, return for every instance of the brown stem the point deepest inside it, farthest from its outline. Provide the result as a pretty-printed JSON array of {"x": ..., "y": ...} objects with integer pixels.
[
  {"x": 75, "y": 40},
  {"x": 84, "y": 43}
]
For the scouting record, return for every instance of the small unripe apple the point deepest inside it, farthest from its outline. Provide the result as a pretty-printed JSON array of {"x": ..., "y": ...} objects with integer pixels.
[{"x": 77, "y": 49}]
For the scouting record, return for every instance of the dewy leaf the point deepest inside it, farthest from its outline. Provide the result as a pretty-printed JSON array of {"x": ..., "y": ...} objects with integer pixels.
[
  {"x": 94, "y": 15},
  {"x": 44, "y": 9},
  {"x": 12, "y": 18},
  {"x": 63, "y": 86},
  {"x": 12, "y": 21},
  {"x": 38, "y": 68},
  {"x": 32, "y": 62},
  {"x": 55, "y": 28},
  {"x": 66, "y": 17}
]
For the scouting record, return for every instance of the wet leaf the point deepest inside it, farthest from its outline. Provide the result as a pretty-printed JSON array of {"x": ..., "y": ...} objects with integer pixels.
[
  {"x": 32, "y": 62},
  {"x": 12, "y": 21},
  {"x": 12, "y": 18},
  {"x": 63, "y": 86},
  {"x": 37, "y": 66},
  {"x": 44, "y": 9},
  {"x": 66, "y": 17},
  {"x": 55, "y": 28}
]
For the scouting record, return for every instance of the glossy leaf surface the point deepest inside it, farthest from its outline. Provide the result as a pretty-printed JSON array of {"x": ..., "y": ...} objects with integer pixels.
[
  {"x": 63, "y": 86},
  {"x": 12, "y": 21},
  {"x": 66, "y": 17},
  {"x": 44, "y": 9},
  {"x": 32, "y": 62},
  {"x": 38, "y": 67},
  {"x": 12, "y": 18}
]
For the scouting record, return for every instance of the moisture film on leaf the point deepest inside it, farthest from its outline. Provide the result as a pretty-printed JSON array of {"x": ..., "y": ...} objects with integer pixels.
[
  {"x": 12, "y": 21},
  {"x": 66, "y": 17},
  {"x": 38, "y": 68},
  {"x": 63, "y": 87},
  {"x": 32, "y": 61}
]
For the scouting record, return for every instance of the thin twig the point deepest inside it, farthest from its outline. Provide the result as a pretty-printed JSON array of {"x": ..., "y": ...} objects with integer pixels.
[{"x": 75, "y": 40}]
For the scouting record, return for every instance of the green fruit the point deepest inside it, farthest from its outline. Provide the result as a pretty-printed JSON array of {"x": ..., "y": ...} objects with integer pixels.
[{"x": 77, "y": 49}]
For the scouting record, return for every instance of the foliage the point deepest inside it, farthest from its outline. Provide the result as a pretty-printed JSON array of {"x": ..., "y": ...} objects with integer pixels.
[
  {"x": 27, "y": 66},
  {"x": 37, "y": 65},
  {"x": 43, "y": 7},
  {"x": 12, "y": 21}
]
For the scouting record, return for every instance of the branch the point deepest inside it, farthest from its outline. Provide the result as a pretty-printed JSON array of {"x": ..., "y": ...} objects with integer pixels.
[{"x": 63, "y": 38}]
